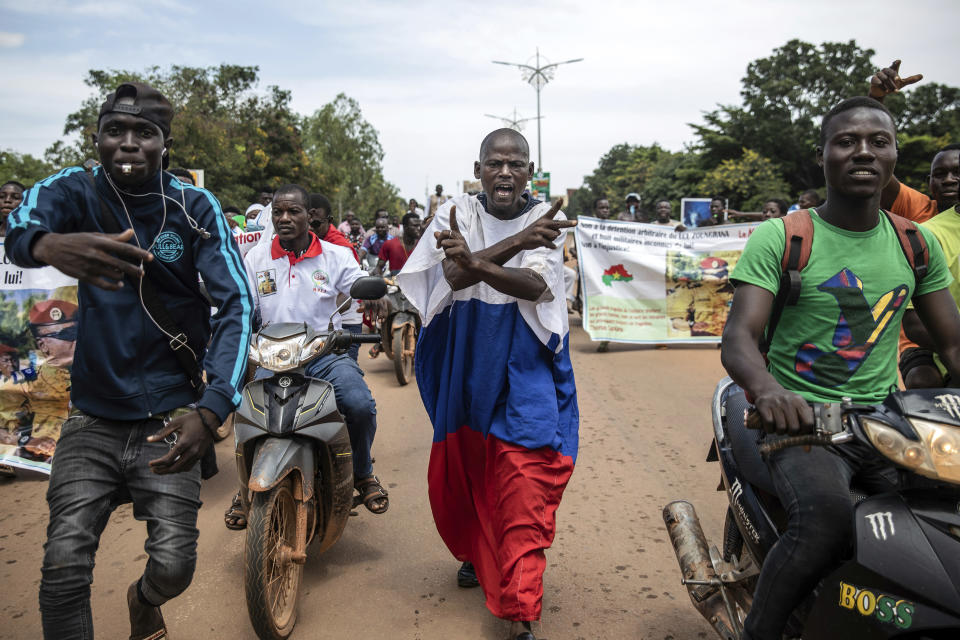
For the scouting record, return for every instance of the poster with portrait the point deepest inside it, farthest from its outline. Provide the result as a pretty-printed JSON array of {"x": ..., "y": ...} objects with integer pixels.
[
  {"x": 646, "y": 283},
  {"x": 38, "y": 331},
  {"x": 694, "y": 211}
]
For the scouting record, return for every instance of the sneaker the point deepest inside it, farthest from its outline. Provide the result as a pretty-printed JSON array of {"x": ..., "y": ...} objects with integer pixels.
[{"x": 467, "y": 576}]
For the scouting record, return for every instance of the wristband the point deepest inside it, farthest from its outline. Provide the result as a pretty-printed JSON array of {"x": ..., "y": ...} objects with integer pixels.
[{"x": 207, "y": 425}]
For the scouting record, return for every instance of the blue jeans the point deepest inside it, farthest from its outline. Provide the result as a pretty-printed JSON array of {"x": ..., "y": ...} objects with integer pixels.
[
  {"x": 354, "y": 401},
  {"x": 814, "y": 488},
  {"x": 100, "y": 464},
  {"x": 354, "y": 349}
]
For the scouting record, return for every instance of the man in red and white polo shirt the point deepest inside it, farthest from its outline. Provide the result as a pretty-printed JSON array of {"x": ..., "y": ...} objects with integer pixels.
[{"x": 296, "y": 278}]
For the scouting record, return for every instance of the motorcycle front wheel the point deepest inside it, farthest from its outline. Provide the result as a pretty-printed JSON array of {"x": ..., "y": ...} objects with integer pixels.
[
  {"x": 271, "y": 577},
  {"x": 404, "y": 347}
]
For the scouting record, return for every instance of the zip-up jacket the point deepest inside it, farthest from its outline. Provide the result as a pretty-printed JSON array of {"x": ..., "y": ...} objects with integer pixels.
[{"x": 123, "y": 366}]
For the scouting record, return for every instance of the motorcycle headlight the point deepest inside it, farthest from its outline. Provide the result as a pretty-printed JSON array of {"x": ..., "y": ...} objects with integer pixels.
[
  {"x": 312, "y": 348},
  {"x": 935, "y": 455},
  {"x": 280, "y": 355}
]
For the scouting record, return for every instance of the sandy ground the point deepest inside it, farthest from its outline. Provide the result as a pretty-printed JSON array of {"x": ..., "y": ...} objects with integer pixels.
[{"x": 644, "y": 434}]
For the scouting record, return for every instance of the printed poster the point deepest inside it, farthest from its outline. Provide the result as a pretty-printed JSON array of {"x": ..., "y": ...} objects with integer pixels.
[
  {"x": 646, "y": 283},
  {"x": 38, "y": 330},
  {"x": 247, "y": 240}
]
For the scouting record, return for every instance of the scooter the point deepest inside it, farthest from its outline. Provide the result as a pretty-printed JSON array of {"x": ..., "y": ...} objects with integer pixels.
[
  {"x": 295, "y": 463},
  {"x": 903, "y": 577},
  {"x": 399, "y": 331}
]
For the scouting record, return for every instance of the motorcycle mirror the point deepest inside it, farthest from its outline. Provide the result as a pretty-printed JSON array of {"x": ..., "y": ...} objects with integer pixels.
[
  {"x": 343, "y": 307},
  {"x": 368, "y": 288}
]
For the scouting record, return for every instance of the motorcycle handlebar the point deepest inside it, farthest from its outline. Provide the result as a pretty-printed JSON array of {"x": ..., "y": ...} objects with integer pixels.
[{"x": 366, "y": 338}]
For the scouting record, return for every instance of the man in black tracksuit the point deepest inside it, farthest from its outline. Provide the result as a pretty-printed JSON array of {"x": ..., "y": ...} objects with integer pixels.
[{"x": 138, "y": 426}]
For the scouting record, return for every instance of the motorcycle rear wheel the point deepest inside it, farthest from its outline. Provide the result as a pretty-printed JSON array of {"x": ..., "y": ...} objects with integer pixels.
[
  {"x": 404, "y": 345},
  {"x": 271, "y": 578}
]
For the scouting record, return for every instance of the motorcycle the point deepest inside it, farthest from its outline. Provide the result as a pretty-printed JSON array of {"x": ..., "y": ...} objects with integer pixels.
[
  {"x": 399, "y": 331},
  {"x": 903, "y": 578},
  {"x": 294, "y": 462}
]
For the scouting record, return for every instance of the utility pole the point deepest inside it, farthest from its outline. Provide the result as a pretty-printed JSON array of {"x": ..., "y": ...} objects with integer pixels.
[{"x": 537, "y": 75}]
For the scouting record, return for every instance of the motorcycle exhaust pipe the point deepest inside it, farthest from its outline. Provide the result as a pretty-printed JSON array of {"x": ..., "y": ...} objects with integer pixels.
[
  {"x": 690, "y": 545},
  {"x": 707, "y": 592}
]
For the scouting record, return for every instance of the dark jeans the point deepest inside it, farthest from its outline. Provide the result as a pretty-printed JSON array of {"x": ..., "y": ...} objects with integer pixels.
[
  {"x": 814, "y": 488},
  {"x": 354, "y": 401},
  {"x": 100, "y": 464}
]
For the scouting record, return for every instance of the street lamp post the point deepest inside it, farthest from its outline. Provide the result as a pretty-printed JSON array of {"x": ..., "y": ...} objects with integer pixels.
[
  {"x": 538, "y": 76},
  {"x": 515, "y": 122}
]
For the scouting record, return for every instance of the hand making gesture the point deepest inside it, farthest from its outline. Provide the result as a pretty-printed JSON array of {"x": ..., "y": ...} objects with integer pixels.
[
  {"x": 101, "y": 259},
  {"x": 888, "y": 80},
  {"x": 544, "y": 230},
  {"x": 454, "y": 246}
]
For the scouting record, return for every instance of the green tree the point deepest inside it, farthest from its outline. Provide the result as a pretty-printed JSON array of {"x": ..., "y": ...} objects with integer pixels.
[
  {"x": 242, "y": 139},
  {"x": 653, "y": 172},
  {"x": 346, "y": 147},
  {"x": 22, "y": 167},
  {"x": 785, "y": 95},
  {"x": 747, "y": 181},
  {"x": 930, "y": 109}
]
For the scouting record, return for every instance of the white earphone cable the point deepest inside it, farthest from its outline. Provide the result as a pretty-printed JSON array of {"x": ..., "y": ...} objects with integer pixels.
[{"x": 163, "y": 200}]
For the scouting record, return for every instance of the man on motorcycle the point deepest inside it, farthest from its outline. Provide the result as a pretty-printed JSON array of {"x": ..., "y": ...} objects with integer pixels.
[
  {"x": 139, "y": 424},
  {"x": 307, "y": 275},
  {"x": 493, "y": 367},
  {"x": 840, "y": 339},
  {"x": 395, "y": 251}
]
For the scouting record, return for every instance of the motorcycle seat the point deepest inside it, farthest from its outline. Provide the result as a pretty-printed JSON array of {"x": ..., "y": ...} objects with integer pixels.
[{"x": 744, "y": 442}]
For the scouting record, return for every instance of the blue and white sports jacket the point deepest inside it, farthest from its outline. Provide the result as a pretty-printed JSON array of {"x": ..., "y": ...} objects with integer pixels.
[{"x": 123, "y": 367}]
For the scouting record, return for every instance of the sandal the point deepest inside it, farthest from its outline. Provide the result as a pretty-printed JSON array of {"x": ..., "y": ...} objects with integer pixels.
[
  {"x": 371, "y": 495},
  {"x": 235, "y": 517}
]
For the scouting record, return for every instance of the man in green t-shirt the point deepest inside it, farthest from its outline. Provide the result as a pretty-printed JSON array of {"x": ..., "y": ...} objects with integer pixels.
[
  {"x": 945, "y": 226},
  {"x": 840, "y": 339}
]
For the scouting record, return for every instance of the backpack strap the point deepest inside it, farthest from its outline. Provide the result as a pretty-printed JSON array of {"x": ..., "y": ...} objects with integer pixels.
[
  {"x": 798, "y": 240},
  {"x": 913, "y": 244}
]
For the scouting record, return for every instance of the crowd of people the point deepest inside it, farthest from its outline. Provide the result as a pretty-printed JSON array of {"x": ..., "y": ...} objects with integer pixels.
[{"x": 503, "y": 402}]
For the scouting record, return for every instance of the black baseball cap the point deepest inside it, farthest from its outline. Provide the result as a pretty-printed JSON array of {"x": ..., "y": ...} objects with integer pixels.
[{"x": 141, "y": 100}]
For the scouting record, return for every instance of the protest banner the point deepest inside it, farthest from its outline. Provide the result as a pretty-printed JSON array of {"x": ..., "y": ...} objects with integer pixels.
[
  {"x": 646, "y": 283},
  {"x": 248, "y": 240},
  {"x": 38, "y": 330}
]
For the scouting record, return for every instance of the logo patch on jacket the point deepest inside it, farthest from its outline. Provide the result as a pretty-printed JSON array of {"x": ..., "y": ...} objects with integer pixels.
[
  {"x": 168, "y": 247},
  {"x": 320, "y": 281}
]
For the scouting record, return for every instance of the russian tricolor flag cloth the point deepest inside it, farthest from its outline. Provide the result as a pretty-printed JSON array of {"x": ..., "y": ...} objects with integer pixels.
[{"x": 495, "y": 377}]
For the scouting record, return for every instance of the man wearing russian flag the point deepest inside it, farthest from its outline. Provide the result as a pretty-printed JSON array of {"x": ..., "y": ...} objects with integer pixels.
[{"x": 493, "y": 367}]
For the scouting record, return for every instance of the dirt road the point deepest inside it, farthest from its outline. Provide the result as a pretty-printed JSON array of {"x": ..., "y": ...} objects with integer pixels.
[{"x": 644, "y": 433}]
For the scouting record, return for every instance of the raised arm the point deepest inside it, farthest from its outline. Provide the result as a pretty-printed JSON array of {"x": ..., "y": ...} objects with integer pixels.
[
  {"x": 43, "y": 230},
  {"x": 883, "y": 83}
]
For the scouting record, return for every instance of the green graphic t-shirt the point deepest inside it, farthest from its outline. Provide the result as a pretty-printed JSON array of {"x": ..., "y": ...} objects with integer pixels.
[
  {"x": 840, "y": 339},
  {"x": 946, "y": 227}
]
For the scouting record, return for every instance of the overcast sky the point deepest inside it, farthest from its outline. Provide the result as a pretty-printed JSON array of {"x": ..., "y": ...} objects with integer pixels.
[{"x": 421, "y": 71}]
